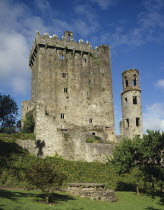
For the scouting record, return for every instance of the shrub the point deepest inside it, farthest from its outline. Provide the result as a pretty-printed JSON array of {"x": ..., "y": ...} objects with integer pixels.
[{"x": 29, "y": 123}]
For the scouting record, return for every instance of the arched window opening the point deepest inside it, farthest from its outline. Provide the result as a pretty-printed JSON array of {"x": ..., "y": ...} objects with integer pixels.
[
  {"x": 134, "y": 81},
  {"x": 84, "y": 60},
  {"x": 69, "y": 37},
  {"x": 62, "y": 57},
  {"x": 126, "y": 82},
  {"x": 134, "y": 99},
  {"x": 126, "y": 101}
]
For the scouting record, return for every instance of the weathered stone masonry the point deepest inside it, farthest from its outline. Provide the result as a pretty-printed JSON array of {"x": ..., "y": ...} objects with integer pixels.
[{"x": 71, "y": 97}]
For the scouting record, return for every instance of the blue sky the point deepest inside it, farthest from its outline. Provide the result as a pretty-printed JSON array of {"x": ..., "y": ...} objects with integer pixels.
[{"x": 134, "y": 29}]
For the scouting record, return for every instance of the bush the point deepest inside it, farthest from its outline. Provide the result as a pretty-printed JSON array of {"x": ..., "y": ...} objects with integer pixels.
[{"x": 29, "y": 123}]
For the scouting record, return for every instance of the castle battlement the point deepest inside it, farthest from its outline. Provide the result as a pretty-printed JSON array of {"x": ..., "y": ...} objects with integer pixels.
[{"x": 67, "y": 43}]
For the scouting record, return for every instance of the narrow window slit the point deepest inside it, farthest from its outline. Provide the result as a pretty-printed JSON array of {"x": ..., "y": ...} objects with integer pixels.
[
  {"x": 62, "y": 57},
  {"x": 65, "y": 90},
  {"x": 137, "y": 121},
  {"x": 62, "y": 115},
  {"x": 90, "y": 120},
  {"x": 134, "y": 99}
]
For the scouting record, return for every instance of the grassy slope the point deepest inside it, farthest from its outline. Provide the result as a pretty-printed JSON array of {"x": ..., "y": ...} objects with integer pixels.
[{"x": 19, "y": 199}]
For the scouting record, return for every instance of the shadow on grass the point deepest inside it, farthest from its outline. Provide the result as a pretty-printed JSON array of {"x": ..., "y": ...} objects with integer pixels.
[
  {"x": 14, "y": 196},
  {"x": 55, "y": 197},
  {"x": 157, "y": 194},
  {"x": 151, "y": 208},
  {"x": 1, "y": 208}
]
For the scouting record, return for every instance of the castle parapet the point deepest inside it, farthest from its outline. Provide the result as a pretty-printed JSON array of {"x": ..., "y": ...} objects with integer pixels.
[{"x": 67, "y": 42}]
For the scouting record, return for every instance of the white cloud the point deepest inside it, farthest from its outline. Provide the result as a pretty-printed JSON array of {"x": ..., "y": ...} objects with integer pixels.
[
  {"x": 160, "y": 83},
  {"x": 18, "y": 27},
  {"x": 153, "y": 117}
]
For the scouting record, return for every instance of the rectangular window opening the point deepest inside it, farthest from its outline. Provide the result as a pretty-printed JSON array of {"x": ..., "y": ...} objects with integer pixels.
[
  {"x": 134, "y": 99},
  {"x": 126, "y": 82},
  {"x": 65, "y": 90},
  {"x": 90, "y": 120},
  {"x": 62, "y": 115},
  {"x": 64, "y": 75},
  {"x": 137, "y": 121},
  {"x": 127, "y": 123}
]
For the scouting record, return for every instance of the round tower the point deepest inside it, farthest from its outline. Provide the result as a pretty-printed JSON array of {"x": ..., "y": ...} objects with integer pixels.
[{"x": 131, "y": 124}]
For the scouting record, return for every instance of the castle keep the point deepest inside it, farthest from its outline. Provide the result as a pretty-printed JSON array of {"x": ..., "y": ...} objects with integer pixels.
[{"x": 72, "y": 99}]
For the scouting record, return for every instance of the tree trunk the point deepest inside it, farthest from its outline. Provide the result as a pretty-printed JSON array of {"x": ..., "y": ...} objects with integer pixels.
[
  {"x": 137, "y": 190},
  {"x": 47, "y": 199},
  {"x": 161, "y": 188}
]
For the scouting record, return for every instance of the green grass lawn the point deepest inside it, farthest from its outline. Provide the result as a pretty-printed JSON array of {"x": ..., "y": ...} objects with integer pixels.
[{"x": 21, "y": 199}]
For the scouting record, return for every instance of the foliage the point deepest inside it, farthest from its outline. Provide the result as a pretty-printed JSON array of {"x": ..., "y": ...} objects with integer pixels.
[
  {"x": 15, "y": 162},
  {"x": 134, "y": 178},
  {"x": 15, "y": 136},
  {"x": 93, "y": 139},
  {"x": 29, "y": 123},
  {"x": 43, "y": 176},
  {"x": 18, "y": 125},
  {"x": 141, "y": 155},
  {"x": 8, "y": 113}
]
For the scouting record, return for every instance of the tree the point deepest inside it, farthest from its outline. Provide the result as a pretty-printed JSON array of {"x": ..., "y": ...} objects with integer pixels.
[
  {"x": 145, "y": 154},
  {"x": 134, "y": 177},
  {"x": 126, "y": 155},
  {"x": 18, "y": 125},
  {"x": 153, "y": 156},
  {"x": 8, "y": 112},
  {"x": 29, "y": 123},
  {"x": 43, "y": 176}
]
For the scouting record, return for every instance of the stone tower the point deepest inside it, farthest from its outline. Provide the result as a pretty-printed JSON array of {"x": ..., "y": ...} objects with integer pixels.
[
  {"x": 71, "y": 95},
  {"x": 131, "y": 124}
]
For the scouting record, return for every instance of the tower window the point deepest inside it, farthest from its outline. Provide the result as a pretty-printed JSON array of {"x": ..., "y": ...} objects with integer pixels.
[
  {"x": 126, "y": 82},
  {"x": 127, "y": 123},
  {"x": 134, "y": 82},
  {"x": 65, "y": 90},
  {"x": 137, "y": 121},
  {"x": 64, "y": 75},
  {"x": 84, "y": 60},
  {"x": 134, "y": 99},
  {"x": 93, "y": 134},
  {"x": 90, "y": 120},
  {"x": 62, "y": 115},
  {"x": 69, "y": 37},
  {"x": 62, "y": 57},
  {"x": 126, "y": 101}
]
